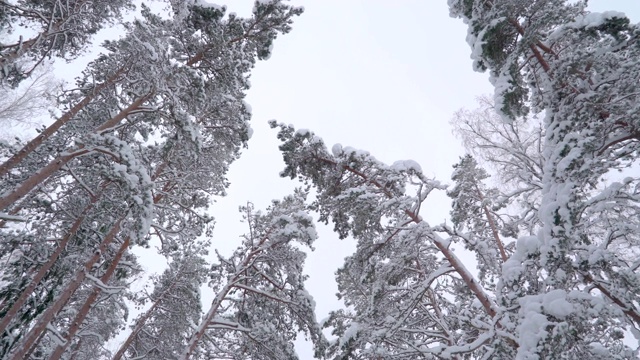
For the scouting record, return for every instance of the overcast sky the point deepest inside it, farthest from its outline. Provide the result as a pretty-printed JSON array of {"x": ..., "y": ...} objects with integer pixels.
[{"x": 383, "y": 76}]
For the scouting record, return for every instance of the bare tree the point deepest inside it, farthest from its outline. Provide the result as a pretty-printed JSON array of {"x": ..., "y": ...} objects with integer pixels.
[{"x": 23, "y": 106}]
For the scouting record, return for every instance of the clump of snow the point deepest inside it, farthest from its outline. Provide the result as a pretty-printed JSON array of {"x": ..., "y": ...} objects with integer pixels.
[
  {"x": 336, "y": 149},
  {"x": 534, "y": 311},
  {"x": 154, "y": 55},
  {"x": 587, "y": 21},
  {"x": 531, "y": 332},
  {"x": 525, "y": 246},
  {"x": 596, "y": 19},
  {"x": 350, "y": 333},
  {"x": 406, "y": 165},
  {"x": 249, "y": 130},
  {"x": 304, "y": 294},
  {"x": 554, "y": 303},
  {"x": 206, "y": 4},
  {"x": 348, "y": 150},
  {"x": 247, "y": 107}
]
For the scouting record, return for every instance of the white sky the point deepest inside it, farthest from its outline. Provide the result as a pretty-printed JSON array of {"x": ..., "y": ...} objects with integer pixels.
[{"x": 383, "y": 76}]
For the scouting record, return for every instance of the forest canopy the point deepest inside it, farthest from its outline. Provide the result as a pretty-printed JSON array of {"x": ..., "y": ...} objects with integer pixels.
[{"x": 546, "y": 201}]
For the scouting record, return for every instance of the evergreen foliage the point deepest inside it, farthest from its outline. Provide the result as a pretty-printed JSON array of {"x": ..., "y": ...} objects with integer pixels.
[
  {"x": 142, "y": 147},
  {"x": 145, "y": 139}
]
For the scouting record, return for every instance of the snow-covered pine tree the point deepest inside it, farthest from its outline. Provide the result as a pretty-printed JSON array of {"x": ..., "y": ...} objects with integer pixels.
[
  {"x": 147, "y": 153},
  {"x": 407, "y": 293},
  {"x": 62, "y": 28},
  {"x": 476, "y": 224},
  {"x": 261, "y": 303},
  {"x": 581, "y": 71},
  {"x": 162, "y": 330}
]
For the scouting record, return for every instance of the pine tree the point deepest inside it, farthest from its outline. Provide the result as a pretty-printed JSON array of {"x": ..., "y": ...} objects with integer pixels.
[
  {"x": 554, "y": 56},
  {"x": 407, "y": 292},
  {"x": 137, "y": 157},
  {"x": 63, "y": 29},
  {"x": 475, "y": 220},
  {"x": 161, "y": 331},
  {"x": 261, "y": 303}
]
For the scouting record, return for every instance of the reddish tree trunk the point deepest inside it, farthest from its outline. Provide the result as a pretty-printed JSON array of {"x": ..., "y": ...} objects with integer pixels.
[
  {"x": 44, "y": 135},
  {"x": 86, "y": 307},
  {"x": 492, "y": 225},
  {"x": 38, "y": 329},
  {"x": 34, "y": 180},
  {"x": 24, "y": 296}
]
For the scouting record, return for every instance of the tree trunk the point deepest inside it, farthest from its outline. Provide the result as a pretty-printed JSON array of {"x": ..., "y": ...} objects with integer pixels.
[
  {"x": 492, "y": 225},
  {"x": 217, "y": 302},
  {"x": 34, "y": 334},
  {"x": 200, "y": 331},
  {"x": 86, "y": 307},
  {"x": 141, "y": 323},
  {"x": 24, "y": 296},
  {"x": 34, "y": 180},
  {"x": 53, "y": 128}
]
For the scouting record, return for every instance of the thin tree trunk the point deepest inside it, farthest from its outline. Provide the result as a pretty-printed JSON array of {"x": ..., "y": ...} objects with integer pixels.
[
  {"x": 86, "y": 307},
  {"x": 202, "y": 328},
  {"x": 76, "y": 324},
  {"x": 24, "y": 296},
  {"x": 53, "y": 128},
  {"x": 31, "y": 350},
  {"x": 141, "y": 323},
  {"x": 34, "y": 180},
  {"x": 492, "y": 225},
  {"x": 459, "y": 267},
  {"x": 496, "y": 234},
  {"x": 217, "y": 302},
  {"x": 34, "y": 334}
]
